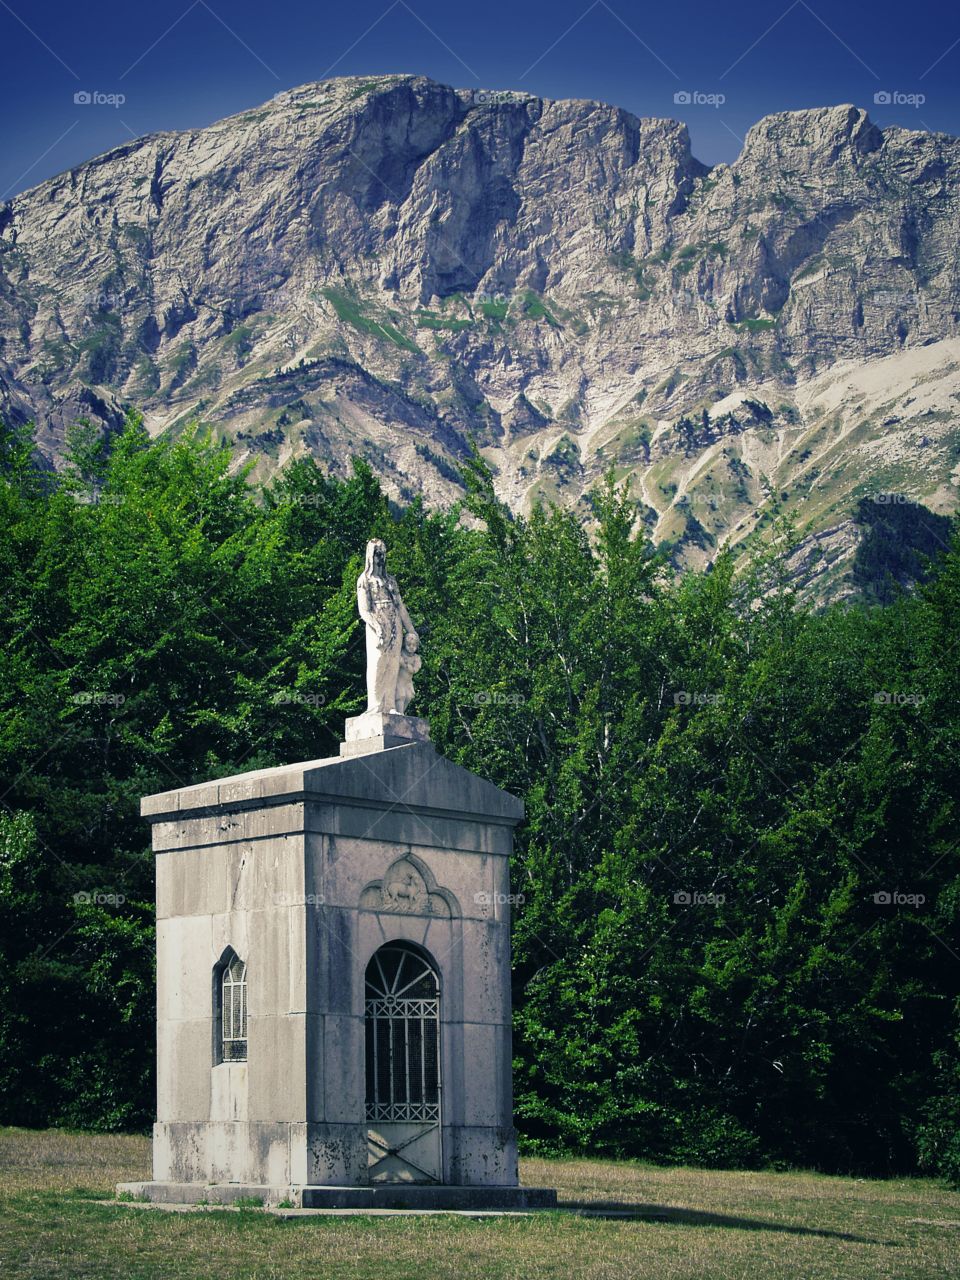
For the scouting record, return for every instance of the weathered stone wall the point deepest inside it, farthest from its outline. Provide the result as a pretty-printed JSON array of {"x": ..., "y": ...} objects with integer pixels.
[{"x": 305, "y": 872}]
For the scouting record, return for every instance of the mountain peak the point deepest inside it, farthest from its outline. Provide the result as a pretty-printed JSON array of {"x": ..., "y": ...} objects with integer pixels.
[{"x": 821, "y": 130}]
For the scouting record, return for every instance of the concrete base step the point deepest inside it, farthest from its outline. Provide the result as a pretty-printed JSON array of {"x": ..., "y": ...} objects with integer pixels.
[
  {"x": 411, "y": 1195},
  {"x": 382, "y": 1195}
]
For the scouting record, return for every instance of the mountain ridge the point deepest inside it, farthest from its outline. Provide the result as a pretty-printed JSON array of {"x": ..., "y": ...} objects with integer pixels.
[
  {"x": 133, "y": 144},
  {"x": 393, "y": 267}
]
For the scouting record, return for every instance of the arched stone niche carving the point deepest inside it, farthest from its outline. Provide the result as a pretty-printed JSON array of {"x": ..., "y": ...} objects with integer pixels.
[{"x": 409, "y": 889}]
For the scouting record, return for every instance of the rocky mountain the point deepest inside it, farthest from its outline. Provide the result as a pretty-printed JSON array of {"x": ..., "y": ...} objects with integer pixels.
[{"x": 389, "y": 267}]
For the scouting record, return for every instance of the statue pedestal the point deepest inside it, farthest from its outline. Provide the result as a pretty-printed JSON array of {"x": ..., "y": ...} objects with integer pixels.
[{"x": 376, "y": 731}]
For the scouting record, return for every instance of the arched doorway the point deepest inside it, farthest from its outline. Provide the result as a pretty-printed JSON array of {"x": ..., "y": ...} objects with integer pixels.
[{"x": 402, "y": 1012}]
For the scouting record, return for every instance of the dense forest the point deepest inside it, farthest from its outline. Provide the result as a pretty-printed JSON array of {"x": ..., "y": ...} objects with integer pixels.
[{"x": 738, "y": 879}]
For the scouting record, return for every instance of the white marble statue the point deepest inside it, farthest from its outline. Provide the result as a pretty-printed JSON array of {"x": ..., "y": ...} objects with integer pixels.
[{"x": 391, "y": 637}]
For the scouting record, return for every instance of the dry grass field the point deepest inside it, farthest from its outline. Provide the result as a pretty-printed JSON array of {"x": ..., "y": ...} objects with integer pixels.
[{"x": 619, "y": 1220}]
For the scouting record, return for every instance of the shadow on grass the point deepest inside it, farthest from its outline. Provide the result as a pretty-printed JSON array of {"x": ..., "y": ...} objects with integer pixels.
[
  {"x": 701, "y": 1218},
  {"x": 91, "y": 1200}
]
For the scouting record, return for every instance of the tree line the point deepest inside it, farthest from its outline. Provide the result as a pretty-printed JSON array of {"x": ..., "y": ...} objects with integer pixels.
[{"x": 737, "y": 883}]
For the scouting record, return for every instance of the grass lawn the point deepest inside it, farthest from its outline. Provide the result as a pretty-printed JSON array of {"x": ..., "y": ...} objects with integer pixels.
[{"x": 661, "y": 1223}]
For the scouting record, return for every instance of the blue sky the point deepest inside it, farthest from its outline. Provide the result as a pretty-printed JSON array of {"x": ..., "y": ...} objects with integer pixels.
[{"x": 186, "y": 63}]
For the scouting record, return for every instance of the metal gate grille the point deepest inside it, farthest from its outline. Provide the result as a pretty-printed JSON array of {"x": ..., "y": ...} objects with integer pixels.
[{"x": 403, "y": 1042}]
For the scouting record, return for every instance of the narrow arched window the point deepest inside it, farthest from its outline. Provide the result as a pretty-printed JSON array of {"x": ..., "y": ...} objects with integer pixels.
[{"x": 233, "y": 1009}]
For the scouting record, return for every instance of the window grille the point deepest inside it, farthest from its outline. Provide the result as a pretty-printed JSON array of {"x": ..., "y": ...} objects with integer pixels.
[
  {"x": 403, "y": 1037},
  {"x": 233, "y": 1011}
]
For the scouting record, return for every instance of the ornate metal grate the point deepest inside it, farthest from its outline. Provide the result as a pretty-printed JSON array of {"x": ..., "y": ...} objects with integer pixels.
[{"x": 403, "y": 1037}]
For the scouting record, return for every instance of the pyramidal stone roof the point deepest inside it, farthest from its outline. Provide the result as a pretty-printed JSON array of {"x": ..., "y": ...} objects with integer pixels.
[{"x": 413, "y": 776}]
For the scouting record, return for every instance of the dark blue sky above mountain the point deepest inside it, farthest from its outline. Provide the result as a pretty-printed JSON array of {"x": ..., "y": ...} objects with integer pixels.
[{"x": 186, "y": 63}]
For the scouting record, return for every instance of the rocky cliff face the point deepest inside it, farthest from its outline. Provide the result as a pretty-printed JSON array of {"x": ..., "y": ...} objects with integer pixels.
[{"x": 389, "y": 267}]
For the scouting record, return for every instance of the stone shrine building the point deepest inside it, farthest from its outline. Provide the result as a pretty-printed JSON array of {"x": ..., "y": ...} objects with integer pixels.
[{"x": 333, "y": 969}]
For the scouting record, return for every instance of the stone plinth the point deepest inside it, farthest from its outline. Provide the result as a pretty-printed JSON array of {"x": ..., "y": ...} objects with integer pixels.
[
  {"x": 378, "y": 731},
  {"x": 309, "y": 874}
]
